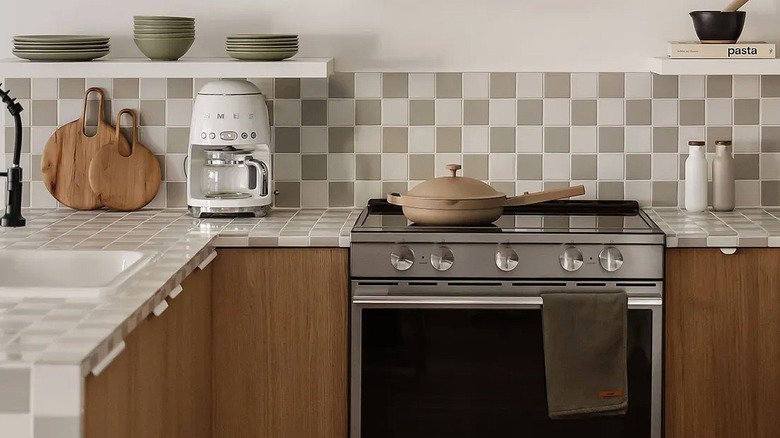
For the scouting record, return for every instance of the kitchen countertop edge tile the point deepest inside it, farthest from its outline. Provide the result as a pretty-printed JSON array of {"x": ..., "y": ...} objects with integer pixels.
[{"x": 753, "y": 227}]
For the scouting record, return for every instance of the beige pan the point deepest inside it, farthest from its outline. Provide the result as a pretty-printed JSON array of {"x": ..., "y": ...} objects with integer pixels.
[{"x": 455, "y": 200}]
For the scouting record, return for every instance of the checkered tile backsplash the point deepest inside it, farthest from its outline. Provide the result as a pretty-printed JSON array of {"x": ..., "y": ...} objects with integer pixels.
[{"x": 342, "y": 140}]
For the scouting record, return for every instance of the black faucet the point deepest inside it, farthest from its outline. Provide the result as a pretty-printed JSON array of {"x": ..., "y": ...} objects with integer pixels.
[{"x": 13, "y": 209}]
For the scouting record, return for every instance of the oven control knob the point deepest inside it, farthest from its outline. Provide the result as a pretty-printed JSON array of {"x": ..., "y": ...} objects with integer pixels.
[
  {"x": 571, "y": 259},
  {"x": 402, "y": 258},
  {"x": 442, "y": 258},
  {"x": 506, "y": 258},
  {"x": 611, "y": 259}
]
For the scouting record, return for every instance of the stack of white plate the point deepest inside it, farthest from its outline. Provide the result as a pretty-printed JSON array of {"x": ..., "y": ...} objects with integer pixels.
[
  {"x": 61, "y": 47},
  {"x": 262, "y": 47},
  {"x": 163, "y": 38}
]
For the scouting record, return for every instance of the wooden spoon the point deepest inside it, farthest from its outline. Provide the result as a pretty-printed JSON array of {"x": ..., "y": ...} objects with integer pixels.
[
  {"x": 734, "y": 5},
  {"x": 125, "y": 179}
]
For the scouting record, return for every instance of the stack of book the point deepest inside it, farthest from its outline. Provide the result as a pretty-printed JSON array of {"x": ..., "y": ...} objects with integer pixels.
[{"x": 697, "y": 50}]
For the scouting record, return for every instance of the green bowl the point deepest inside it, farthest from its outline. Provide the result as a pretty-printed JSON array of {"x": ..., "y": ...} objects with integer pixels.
[
  {"x": 165, "y": 35},
  {"x": 164, "y": 49}
]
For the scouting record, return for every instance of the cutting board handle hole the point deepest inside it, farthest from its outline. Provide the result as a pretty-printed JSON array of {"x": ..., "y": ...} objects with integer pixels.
[{"x": 91, "y": 110}]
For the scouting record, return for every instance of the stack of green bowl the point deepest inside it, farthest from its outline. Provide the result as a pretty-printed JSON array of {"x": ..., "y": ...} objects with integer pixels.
[
  {"x": 164, "y": 38},
  {"x": 61, "y": 48},
  {"x": 262, "y": 47}
]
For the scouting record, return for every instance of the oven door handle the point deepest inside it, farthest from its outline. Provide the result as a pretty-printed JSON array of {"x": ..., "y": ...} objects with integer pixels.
[{"x": 456, "y": 301}]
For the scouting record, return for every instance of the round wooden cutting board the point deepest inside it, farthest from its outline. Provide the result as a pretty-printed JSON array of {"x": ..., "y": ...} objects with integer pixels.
[
  {"x": 123, "y": 180},
  {"x": 67, "y": 156}
]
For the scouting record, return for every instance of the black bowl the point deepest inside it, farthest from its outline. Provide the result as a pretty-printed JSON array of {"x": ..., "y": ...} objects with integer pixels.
[{"x": 718, "y": 27}]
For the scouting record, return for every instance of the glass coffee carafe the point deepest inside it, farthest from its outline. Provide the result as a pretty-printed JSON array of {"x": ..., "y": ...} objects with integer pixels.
[{"x": 230, "y": 173}]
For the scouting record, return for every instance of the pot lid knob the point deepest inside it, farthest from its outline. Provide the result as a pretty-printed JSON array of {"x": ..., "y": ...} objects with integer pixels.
[{"x": 454, "y": 168}]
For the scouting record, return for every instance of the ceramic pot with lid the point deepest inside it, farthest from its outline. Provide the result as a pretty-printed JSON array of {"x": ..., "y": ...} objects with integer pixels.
[{"x": 458, "y": 200}]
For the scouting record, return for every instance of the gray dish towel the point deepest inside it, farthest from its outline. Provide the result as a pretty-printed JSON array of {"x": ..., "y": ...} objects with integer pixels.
[{"x": 585, "y": 353}]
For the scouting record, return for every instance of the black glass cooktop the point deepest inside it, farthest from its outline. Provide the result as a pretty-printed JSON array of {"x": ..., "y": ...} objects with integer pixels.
[{"x": 553, "y": 216}]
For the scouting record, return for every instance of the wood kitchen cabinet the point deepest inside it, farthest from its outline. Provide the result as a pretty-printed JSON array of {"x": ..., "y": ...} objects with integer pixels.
[
  {"x": 722, "y": 343},
  {"x": 160, "y": 386},
  {"x": 280, "y": 343}
]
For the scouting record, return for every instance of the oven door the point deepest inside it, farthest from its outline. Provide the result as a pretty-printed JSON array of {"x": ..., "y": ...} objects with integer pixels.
[{"x": 468, "y": 361}]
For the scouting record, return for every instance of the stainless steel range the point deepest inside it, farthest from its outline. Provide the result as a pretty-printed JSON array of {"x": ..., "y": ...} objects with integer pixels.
[{"x": 446, "y": 322}]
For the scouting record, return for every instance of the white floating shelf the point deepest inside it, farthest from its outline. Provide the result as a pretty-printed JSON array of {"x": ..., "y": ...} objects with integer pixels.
[
  {"x": 667, "y": 66},
  {"x": 183, "y": 68}
]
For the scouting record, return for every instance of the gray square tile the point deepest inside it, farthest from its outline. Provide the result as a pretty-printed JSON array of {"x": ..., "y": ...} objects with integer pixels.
[
  {"x": 612, "y": 84},
  {"x": 746, "y": 166},
  {"x": 746, "y": 111},
  {"x": 395, "y": 139},
  {"x": 395, "y": 85},
  {"x": 502, "y": 139},
  {"x": 611, "y": 139},
  {"x": 611, "y": 190},
  {"x": 15, "y": 394},
  {"x": 639, "y": 112},
  {"x": 176, "y": 194},
  {"x": 665, "y": 139},
  {"x": 421, "y": 167},
  {"x": 422, "y": 112},
  {"x": 73, "y": 88},
  {"x": 448, "y": 139},
  {"x": 341, "y": 194},
  {"x": 584, "y": 167},
  {"x": 341, "y": 139},
  {"x": 289, "y": 194},
  {"x": 557, "y": 85},
  {"x": 56, "y": 427},
  {"x": 449, "y": 85},
  {"x": 715, "y": 133},
  {"x": 529, "y": 112},
  {"x": 287, "y": 88},
  {"x": 691, "y": 112},
  {"x": 394, "y": 187},
  {"x": 10, "y": 139},
  {"x": 475, "y": 112},
  {"x": 665, "y": 87},
  {"x": 529, "y": 167},
  {"x": 368, "y": 112},
  {"x": 557, "y": 139},
  {"x": 20, "y": 88},
  {"x": 124, "y": 88},
  {"x": 178, "y": 88},
  {"x": 719, "y": 86},
  {"x": 502, "y": 85},
  {"x": 341, "y": 85},
  {"x": 152, "y": 113},
  {"x": 770, "y": 139},
  {"x": 177, "y": 140},
  {"x": 314, "y": 167},
  {"x": 314, "y": 112},
  {"x": 664, "y": 194},
  {"x": 584, "y": 113},
  {"x": 475, "y": 166},
  {"x": 638, "y": 166},
  {"x": 770, "y": 193},
  {"x": 368, "y": 167},
  {"x": 43, "y": 113},
  {"x": 287, "y": 139},
  {"x": 770, "y": 86}
]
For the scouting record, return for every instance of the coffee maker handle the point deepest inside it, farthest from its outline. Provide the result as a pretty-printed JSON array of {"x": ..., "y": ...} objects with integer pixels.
[{"x": 262, "y": 174}]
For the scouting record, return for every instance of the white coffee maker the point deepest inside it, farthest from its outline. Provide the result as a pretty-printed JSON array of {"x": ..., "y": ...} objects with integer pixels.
[{"x": 229, "y": 159}]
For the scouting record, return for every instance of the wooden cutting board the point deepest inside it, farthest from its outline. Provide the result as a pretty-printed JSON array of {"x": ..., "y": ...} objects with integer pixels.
[
  {"x": 125, "y": 179},
  {"x": 68, "y": 153}
]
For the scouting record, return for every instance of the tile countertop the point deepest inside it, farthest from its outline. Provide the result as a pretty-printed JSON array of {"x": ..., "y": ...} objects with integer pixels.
[
  {"x": 744, "y": 227},
  {"x": 48, "y": 345}
]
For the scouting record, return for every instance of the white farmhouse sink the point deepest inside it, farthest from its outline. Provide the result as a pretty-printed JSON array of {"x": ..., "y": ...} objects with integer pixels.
[{"x": 65, "y": 273}]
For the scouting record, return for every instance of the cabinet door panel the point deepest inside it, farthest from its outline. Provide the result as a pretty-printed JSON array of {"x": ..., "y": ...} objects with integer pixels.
[
  {"x": 280, "y": 343},
  {"x": 722, "y": 326}
]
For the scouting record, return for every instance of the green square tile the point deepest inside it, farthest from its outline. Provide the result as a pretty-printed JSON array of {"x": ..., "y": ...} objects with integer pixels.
[
  {"x": 448, "y": 139},
  {"x": 449, "y": 85},
  {"x": 502, "y": 139},
  {"x": 368, "y": 112},
  {"x": 395, "y": 139},
  {"x": 341, "y": 139},
  {"x": 287, "y": 88},
  {"x": 287, "y": 139}
]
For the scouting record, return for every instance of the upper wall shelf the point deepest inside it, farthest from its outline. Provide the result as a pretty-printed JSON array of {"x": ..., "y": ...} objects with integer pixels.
[
  {"x": 667, "y": 66},
  {"x": 183, "y": 68}
]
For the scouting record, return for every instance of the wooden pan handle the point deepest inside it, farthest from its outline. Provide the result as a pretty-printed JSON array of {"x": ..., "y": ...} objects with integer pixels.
[
  {"x": 118, "y": 137},
  {"x": 395, "y": 199},
  {"x": 547, "y": 195},
  {"x": 101, "y": 103},
  {"x": 734, "y": 5}
]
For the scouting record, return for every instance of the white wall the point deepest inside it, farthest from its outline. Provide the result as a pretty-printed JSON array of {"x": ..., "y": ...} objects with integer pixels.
[{"x": 410, "y": 35}]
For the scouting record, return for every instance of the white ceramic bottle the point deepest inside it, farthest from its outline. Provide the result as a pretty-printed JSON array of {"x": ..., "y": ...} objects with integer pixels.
[
  {"x": 696, "y": 177},
  {"x": 723, "y": 177}
]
